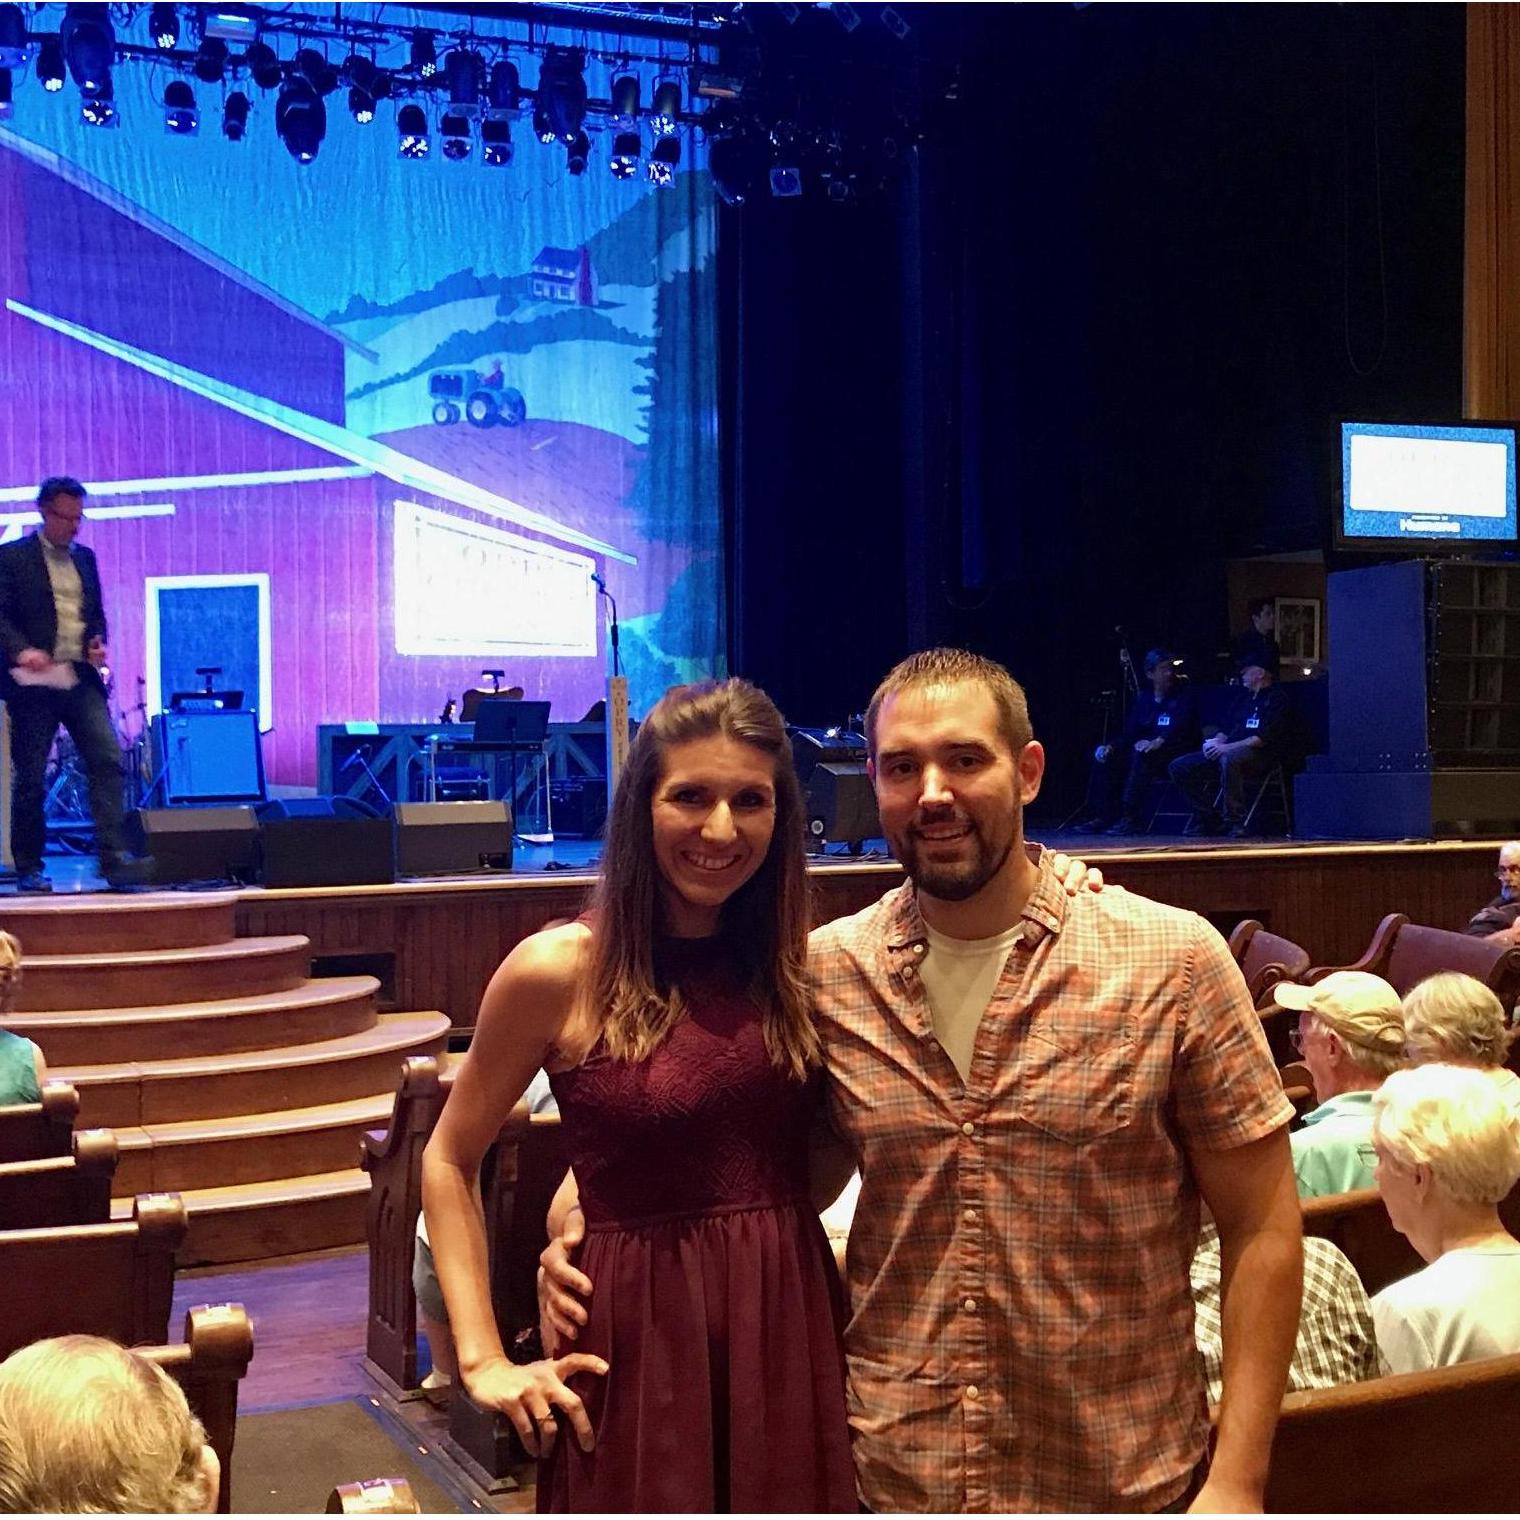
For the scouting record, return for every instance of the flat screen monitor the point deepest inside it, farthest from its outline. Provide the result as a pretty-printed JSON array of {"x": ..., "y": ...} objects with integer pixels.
[{"x": 1427, "y": 486}]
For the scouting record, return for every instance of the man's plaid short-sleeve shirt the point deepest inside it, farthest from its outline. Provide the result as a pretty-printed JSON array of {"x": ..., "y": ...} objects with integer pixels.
[{"x": 1021, "y": 1330}]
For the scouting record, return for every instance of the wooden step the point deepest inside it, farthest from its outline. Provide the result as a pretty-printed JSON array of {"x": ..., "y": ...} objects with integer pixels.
[
  {"x": 292, "y": 1076},
  {"x": 116, "y": 979},
  {"x": 98, "y": 921},
  {"x": 276, "y": 1218},
  {"x": 187, "y": 1154},
  {"x": 314, "y": 1010}
]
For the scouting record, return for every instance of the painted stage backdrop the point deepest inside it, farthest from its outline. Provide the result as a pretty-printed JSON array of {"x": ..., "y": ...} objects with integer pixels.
[{"x": 415, "y": 404}]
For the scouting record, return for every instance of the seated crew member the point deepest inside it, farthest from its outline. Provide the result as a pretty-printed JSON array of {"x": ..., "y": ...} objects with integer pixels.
[
  {"x": 1500, "y": 919},
  {"x": 1258, "y": 643},
  {"x": 1161, "y": 725},
  {"x": 1261, "y": 736},
  {"x": 1448, "y": 1153},
  {"x": 1350, "y": 1035}
]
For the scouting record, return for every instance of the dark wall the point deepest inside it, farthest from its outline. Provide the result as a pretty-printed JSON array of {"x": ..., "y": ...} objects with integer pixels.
[{"x": 1097, "y": 346}]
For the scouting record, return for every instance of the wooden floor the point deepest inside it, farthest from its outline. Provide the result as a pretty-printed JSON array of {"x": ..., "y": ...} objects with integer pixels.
[{"x": 308, "y": 1317}]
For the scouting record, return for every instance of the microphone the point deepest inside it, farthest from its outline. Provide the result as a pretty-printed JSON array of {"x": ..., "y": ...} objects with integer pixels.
[{"x": 598, "y": 582}]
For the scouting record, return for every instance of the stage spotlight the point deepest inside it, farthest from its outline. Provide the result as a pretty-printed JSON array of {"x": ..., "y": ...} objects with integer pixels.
[
  {"x": 50, "y": 66},
  {"x": 560, "y": 110},
  {"x": 317, "y": 71},
  {"x": 625, "y": 99},
  {"x": 505, "y": 90},
  {"x": 663, "y": 161},
  {"x": 496, "y": 142},
  {"x": 465, "y": 73},
  {"x": 263, "y": 65},
  {"x": 786, "y": 181},
  {"x": 666, "y": 107},
  {"x": 89, "y": 45},
  {"x": 235, "y": 116},
  {"x": 13, "y": 39},
  {"x": 454, "y": 129},
  {"x": 210, "y": 60},
  {"x": 424, "y": 53},
  {"x": 180, "y": 115},
  {"x": 624, "y": 162},
  {"x": 163, "y": 27},
  {"x": 300, "y": 119},
  {"x": 6, "y": 108},
  {"x": 577, "y": 152},
  {"x": 361, "y": 105},
  {"x": 99, "y": 109},
  {"x": 412, "y": 125},
  {"x": 733, "y": 161}
]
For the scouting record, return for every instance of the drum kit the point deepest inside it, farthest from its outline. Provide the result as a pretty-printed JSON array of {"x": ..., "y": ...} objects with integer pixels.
[{"x": 66, "y": 785}]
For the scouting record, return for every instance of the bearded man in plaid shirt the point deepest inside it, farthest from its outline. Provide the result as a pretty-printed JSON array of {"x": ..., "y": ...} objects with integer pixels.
[{"x": 1037, "y": 1090}]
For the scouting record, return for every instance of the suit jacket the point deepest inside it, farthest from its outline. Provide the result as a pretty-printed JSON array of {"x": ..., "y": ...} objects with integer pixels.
[{"x": 28, "y": 618}]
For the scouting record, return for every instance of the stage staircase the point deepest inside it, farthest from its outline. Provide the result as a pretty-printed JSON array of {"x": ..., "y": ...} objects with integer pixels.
[{"x": 230, "y": 1075}]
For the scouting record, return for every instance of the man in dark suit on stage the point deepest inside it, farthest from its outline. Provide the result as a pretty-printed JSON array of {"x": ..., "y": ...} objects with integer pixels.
[{"x": 53, "y": 633}]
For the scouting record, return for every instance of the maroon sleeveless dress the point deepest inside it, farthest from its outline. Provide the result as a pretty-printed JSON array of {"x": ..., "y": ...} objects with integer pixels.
[{"x": 716, "y": 1303}]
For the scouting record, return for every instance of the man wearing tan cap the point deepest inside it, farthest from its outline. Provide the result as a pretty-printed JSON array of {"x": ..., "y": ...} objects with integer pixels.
[{"x": 1351, "y": 1035}]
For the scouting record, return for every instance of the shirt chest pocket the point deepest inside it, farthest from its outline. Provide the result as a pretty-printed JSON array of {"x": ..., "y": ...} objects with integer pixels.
[{"x": 1077, "y": 1075}]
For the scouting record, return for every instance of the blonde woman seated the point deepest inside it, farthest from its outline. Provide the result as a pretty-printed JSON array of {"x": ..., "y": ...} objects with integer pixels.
[
  {"x": 1455, "y": 1018},
  {"x": 1448, "y": 1152},
  {"x": 89, "y": 1428},
  {"x": 22, "y": 1069}
]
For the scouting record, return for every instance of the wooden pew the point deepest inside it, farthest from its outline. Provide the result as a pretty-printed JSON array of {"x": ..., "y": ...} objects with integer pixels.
[
  {"x": 209, "y": 1364},
  {"x": 61, "y": 1190},
  {"x": 35, "y": 1131},
  {"x": 518, "y": 1179},
  {"x": 1417, "y": 1442},
  {"x": 1358, "y": 1223},
  {"x": 115, "y": 1280},
  {"x": 1265, "y": 959},
  {"x": 1404, "y": 954}
]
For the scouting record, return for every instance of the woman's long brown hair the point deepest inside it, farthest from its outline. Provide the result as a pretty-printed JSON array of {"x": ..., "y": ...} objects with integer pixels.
[{"x": 765, "y": 923}]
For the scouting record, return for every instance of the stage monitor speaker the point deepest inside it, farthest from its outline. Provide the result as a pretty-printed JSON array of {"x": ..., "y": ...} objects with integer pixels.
[
  {"x": 841, "y": 805},
  {"x": 209, "y": 756},
  {"x": 445, "y": 838},
  {"x": 812, "y": 745},
  {"x": 324, "y": 842},
  {"x": 197, "y": 843},
  {"x": 580, "y": 806}
]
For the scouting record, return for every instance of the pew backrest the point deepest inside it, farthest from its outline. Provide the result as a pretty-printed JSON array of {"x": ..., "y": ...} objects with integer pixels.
[
  {"x": 1265, "y": 959},
  {"x": 61, "y": 1190},
  {"x": 35, "y": 1131},
  {"x": 1358, "y": 1223},
  {"x": 115, "y": 1280}
]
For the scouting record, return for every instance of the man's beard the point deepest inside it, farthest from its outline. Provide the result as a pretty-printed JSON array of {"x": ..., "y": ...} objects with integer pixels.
[{"x": 956, "y": 883}]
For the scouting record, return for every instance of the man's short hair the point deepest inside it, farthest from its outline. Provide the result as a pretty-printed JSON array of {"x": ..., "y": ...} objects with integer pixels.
[
  {"x": 1452, "y": 1017},
  {"x": 954, "y": 667},
  {"x": 1455, "y": 1120},
  {"x": 87, "y": 1427},
  {"x": 58, "y": 485},
  {"x": 1155, "y": 657},
  {"x": 1259, "y": 604}
]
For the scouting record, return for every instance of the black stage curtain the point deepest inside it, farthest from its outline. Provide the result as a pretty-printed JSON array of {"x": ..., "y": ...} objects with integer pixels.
[{"x": 1095, "y": 346}]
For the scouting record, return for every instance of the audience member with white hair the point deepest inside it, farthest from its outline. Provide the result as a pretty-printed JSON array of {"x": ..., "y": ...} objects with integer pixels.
[
  {"x": 1456, "y": 1019},
  {"x": 87, "y": 1427},
  {"x": 1448, "y": 1153},
  {"x": 22, "y": 1069}
]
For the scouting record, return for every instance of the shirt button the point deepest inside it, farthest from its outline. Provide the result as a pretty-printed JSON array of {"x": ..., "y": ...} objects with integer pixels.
[
  {"x": 969, "y": 1216},
  {"x": 969, "y": 1305},
  {"x": 968, "y": 1128},
  {"x": 973, "y": 1392}
]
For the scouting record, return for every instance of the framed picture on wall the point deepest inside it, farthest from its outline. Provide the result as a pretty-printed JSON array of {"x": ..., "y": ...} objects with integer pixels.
[{"x": 1298, "y": 625}]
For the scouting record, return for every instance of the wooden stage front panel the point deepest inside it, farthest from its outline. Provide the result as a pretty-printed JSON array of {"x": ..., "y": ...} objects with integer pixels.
[{"x": 436, "y": 944}]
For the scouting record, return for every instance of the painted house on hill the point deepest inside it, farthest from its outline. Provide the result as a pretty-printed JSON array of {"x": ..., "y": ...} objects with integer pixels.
[
  {"x": 205, "y": 413},
  {"x": 564, "y": 274}
]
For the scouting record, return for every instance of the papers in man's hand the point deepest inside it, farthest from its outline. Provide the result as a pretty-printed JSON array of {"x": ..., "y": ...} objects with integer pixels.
[{"x": 60, "y": 675}]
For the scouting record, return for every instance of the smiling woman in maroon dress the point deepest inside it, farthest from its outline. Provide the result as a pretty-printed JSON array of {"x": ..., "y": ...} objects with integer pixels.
[{"x": 675, "y": 1024}]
